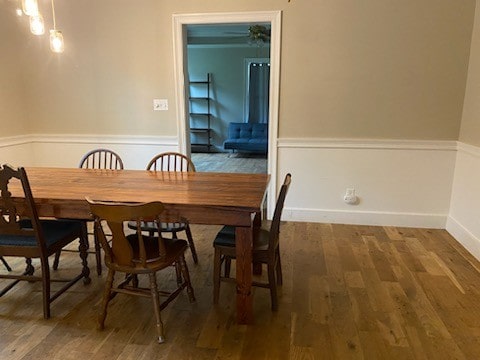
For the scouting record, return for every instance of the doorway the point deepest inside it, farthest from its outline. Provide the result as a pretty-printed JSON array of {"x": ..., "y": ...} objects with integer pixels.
[{"x": 180, "y": 22}]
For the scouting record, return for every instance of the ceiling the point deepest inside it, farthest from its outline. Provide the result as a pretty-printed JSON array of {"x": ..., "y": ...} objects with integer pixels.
[{"x": 220, "y": 33}]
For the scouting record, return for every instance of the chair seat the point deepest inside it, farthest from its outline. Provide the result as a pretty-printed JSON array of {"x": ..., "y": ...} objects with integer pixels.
[
  {"x": 226, "y": 238},
  {"x": 173, "y": 249},
  {"x": 53, "y": 231}
]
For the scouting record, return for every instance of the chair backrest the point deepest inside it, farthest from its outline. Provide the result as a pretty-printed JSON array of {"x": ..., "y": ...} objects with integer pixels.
[
  {"x": 171, "y": 161},
  {"x": 120, "y": 251},
  {"x": 101, "y": 159},
  {"x": 277, "y": 215},
  {"x": 18, "y": 227}
]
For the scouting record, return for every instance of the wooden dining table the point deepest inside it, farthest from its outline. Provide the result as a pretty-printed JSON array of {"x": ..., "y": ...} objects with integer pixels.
[{"x": 201, "y": 197}]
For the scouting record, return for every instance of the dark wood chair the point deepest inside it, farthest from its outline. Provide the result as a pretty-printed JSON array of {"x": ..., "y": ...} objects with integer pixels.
[
  {"x": 172, "y": 223},
  {"x": 96, "y": 159},
  {"x": 137, "y": 253},
  {"x": 266, "y": 250},
  {"x": 25, "y": 235}
]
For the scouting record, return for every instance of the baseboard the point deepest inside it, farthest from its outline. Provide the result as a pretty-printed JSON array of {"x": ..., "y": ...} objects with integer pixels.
[
  {"x": 377, "y": 218},
  {"x": 463, "y": 236}
]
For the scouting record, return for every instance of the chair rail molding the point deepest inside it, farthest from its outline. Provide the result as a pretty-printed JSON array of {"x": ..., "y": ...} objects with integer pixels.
[{"x": 345, "y": 143}]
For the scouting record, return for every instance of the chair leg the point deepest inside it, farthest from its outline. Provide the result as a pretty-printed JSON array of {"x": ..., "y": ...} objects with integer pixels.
[
  {"x": 272, "y": 284},
  {"x": 191, "y": 244},
  {"x": 106, "y": 299},
  {"x": 82, "y": 249},
  {"x": 56, "y": 260},
  {"x": 156, "y": 307},
  {"x": 45, "y": 287},
  {"x": 178, "y": 272},
  {"x": 228, "y": 265},
  {"x": 278, "y": 268},
  {"x": 217, "y": 268},
  {"x": 29, "y": 269},
  {"x": 186, "y": 276},
  {"x": 5, "y": 263},
  {"x": 98, "y": 255}
]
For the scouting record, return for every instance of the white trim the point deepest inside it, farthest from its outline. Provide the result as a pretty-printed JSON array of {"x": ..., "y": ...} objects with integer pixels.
[
  {"x": 470, "y": 149},
  {"x": 222, "y": 46},
  {"x": 179, "y": 48},
  {"x": 340, "y": 143},
  {"x": 15, "y": 140},
  {"x": 468, "y": 240},
  {"x": 104, "y": 139},
  {"x": 374, "y": 218}
]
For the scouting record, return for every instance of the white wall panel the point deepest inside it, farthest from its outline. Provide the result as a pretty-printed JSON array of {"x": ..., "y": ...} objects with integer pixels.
[
  {"x": 402, "y": 183},
  {"x": 67, "y": 150},
  {"x": 463, "y": 221}
]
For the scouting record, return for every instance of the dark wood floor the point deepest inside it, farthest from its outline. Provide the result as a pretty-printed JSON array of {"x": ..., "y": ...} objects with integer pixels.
[{"x": 350, "y": 292}]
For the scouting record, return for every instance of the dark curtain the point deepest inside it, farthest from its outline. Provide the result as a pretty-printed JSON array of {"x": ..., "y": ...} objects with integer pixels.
[{"x": 258, "y": 90}]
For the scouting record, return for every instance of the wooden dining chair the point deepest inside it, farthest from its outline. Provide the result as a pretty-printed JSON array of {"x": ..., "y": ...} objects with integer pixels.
[
  {"x": 96, "y": 159},
  {"x": 136, "y": 254},
  {"x": 101, "y": 159},
  {"x": 25, "y": 235},
  {"x": 266, "y": 250},
  {"x": 171, "y": 161}
]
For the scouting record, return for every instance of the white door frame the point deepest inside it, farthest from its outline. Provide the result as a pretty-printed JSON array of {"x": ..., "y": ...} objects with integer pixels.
[{"x": 180, "y": 68}]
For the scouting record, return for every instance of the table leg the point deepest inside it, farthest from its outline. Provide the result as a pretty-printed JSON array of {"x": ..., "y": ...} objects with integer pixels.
[
  {"x": 257, "y": 223},
  {"x": 243, "y": 240}
]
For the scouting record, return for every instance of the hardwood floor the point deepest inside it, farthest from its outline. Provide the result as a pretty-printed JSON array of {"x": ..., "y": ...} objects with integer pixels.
[
  {"x": 350, "y": 292},
  {"x": 230, "y": 162}
]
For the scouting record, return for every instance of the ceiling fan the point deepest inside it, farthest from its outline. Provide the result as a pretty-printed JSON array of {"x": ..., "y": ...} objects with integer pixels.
[{"x": 255, "y": 33}]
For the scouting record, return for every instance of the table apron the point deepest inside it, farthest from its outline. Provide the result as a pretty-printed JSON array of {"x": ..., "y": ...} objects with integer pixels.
[{"x": 207, "y": 215}]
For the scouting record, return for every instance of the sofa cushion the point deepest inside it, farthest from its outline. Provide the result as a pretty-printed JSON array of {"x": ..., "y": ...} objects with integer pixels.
[{"x": 247, "y": 137}]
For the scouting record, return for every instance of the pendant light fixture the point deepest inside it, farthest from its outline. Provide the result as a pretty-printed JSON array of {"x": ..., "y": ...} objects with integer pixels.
[
  {"x": 18, "y": 9},
  {"x": 56, "y": 38},
  {"x": 37, "y": 26},
  {"x": 30, "y": 7}
]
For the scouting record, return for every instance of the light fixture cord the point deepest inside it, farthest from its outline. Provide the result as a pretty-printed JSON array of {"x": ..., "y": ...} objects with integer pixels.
[{"x": 53, "y": 14}]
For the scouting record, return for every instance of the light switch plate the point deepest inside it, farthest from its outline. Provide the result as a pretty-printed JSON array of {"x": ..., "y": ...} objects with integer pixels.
[{"x": 160, "y": 104}]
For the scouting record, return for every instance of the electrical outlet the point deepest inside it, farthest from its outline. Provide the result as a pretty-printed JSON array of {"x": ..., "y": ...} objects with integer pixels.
[
  {"x": 350, "y": 197},
  {"x": 160, "y": 104}
]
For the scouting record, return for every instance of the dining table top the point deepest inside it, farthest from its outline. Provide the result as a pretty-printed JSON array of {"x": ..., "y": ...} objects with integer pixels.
[{"x": 56, "y": 189}]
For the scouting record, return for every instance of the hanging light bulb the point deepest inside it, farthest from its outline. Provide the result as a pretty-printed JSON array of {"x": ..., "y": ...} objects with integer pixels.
[
  {"x": 56, "y": 38},
  {"x": 56, "y": 41},
  {"x": 37, "y": 26},
  {"x": 30, "y": 7},
  {"x": 19, "y": 11}
]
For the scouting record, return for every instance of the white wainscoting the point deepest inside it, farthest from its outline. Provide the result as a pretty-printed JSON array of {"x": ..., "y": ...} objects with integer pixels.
[
  {"x": 16, "y": 151},
  {"x": 67, "y": 150},
  {"x": 464, "y": 217},
  {"x": 399, "y": 183}
]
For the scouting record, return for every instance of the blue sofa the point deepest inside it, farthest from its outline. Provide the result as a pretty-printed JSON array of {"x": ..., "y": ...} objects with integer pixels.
[{"x": 247, "y": 137}]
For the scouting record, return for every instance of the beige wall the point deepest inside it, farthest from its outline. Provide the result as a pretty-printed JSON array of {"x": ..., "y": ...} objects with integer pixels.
[
  {"x": 13, "y": 104},
  {"x": 470, "y": 129},
  {"x": 354, "y": 69}
]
